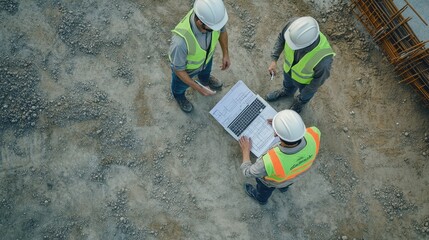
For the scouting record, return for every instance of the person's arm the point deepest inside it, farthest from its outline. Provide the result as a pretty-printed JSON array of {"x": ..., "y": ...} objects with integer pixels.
[
  {"x": 178, "y": 54},
  {"x": 246, "y": 145},
  {"x": 277, "y": 50},
  {"x": 223, "y": 41},
  {"x": 250, "y": 170},
  {"x": 321, "y": 73},
  {"x": 279, "y": 45},
  {"x": 256, "y": 170}
]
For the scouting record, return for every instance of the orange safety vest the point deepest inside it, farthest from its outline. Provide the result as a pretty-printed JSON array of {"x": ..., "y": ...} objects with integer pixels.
[{"x": 281, "y": 167}]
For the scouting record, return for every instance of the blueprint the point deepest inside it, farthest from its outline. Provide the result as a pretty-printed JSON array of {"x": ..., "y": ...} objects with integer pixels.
[{"x": 259, "y": 131}]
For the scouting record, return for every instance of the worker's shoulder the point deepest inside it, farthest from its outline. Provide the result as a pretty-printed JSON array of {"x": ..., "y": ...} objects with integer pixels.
[
  {"x": 313, "y": 129},
  {"x": 178, "y": 41}
]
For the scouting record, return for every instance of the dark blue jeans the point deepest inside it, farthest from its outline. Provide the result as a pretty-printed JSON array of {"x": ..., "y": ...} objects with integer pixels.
[
  {"x": 306, "y": 91},
  {"x": 263, "y": 192},
  {"x": 178, "y": 87}
]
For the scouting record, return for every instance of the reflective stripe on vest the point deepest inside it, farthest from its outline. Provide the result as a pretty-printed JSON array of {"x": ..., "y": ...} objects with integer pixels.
[
  {"x": 196, "y": 55},
  {"x": 303, "y": 71},
  {"x": 281, "y": 167}
]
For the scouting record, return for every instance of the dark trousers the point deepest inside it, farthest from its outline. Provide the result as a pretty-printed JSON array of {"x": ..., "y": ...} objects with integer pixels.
[
  {"x": 263, "y": 192},
  {"x": 306, "y": 91}
]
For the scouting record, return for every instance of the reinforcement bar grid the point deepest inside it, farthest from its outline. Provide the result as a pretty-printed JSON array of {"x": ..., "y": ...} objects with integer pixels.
[{"x": 390, "y": 30}]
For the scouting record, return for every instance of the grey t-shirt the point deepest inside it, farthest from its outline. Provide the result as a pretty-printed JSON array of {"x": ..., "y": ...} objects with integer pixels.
[{"x": 179, "y": 51}]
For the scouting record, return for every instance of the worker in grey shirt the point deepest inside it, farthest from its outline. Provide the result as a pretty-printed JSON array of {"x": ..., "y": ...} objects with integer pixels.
[
  {"x": 283, "y": 163},
  {"x": 307, "y": 61},
  {"x": 192, "y": 48}
]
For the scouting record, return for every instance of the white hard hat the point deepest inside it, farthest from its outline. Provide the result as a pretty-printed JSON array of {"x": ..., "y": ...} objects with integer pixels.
[
  {"x": 288, "y": 125},
  {"x": 212, "y": 13},
  {"x": 302, "y": 33}
]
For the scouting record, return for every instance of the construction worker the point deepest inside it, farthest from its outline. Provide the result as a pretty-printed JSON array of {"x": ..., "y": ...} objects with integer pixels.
[
  {"x": 192, "y": 47},
  {"x": 282, "y": 164},
  {"x": 307, "y": 61}
]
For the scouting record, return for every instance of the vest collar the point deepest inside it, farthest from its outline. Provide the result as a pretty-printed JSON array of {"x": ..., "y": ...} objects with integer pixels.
[{"x": 295, "y": 149}]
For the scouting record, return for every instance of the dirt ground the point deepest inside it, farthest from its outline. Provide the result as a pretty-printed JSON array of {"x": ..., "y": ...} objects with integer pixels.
[{"x": 94, "y": 147}]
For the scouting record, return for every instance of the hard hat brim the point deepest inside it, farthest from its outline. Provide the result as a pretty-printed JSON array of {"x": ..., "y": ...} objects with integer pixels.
[
  {"x": 282, "y": 137},
  {"x": 289, "y": 42},
  {"x": 292, "y": 44},
  {"x": 219, "y": 25}
]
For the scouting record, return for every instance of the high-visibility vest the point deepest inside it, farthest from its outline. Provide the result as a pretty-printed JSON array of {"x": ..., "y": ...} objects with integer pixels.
[
  {"x": 303, "y": 71},
  {"x": 282, "y": 167},
  {"x": 196, "y": 55}
]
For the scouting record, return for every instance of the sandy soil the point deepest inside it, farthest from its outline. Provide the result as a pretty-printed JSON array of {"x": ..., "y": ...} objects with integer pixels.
[{"x": 94, "y": 147}]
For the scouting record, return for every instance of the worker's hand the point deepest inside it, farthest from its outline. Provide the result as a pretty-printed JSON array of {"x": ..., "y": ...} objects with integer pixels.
[
  {"x": 272, "y": 68},
  {"x": 226, "y": 62},
  {"x": 246, "y": 145},
  {"x": 270, "y": 121},
  {"x": 205, "y": 91}
]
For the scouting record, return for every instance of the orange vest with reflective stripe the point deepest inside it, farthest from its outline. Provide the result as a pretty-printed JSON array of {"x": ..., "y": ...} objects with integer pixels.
[{"x": 281, "y": 167}]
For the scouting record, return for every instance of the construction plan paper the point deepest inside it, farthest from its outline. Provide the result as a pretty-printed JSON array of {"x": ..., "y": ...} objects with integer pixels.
[{"x": 259, "y": 131}]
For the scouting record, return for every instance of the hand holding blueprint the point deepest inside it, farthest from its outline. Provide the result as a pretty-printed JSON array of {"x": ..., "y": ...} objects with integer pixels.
[{"x": 243, "y": 113}]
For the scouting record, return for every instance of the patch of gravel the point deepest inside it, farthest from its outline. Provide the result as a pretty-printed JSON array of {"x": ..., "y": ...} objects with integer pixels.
[
  {"x": 248, "y": 31},
  {"x": 20, "y": 101},
  {"x": 79, "y": 34},
  {"x": 86, "y": 103},
  {"x": 166, "y": 189},
  {"x": 10, "y": 6},
  {"x": 393, "y": 202},
  {"x": 83, "y": 34},
  {"x": 62, "y": 227},
  {"x": 51, "y": 64},
  {"x": 123, "y": 71},
  {"x": 339, "y": 174},
  {"x": 22, "y": 184},
  {"x": 423, "y": 227},
  {"x": 99, "y": 175},
  {"x": 119, "y": 211},
  {"x": 18, "y": 45}
]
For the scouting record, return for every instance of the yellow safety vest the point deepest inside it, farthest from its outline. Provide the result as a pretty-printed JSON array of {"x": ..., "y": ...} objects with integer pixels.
[
  {"x": 303, "y": 71},
  {"x": 281, "y": 167},
  {"x": 196, "y": 55}
]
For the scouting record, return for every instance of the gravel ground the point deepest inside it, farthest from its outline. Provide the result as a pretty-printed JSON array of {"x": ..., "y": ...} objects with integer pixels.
[{"x": 94, "y": 147}]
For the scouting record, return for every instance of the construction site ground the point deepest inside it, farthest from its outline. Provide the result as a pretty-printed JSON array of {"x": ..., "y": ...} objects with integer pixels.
[{"x": 93, "y": 146}]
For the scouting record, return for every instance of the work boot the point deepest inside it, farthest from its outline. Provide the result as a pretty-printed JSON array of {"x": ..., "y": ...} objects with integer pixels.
[
  {"x": 214, "y": 83},
  {"x": 274, "y": 95},
  {"x": 251, "y": 191},
  {"x": 185, "y": 105},
  {"x": 283, "y": 189},
  {"x": 297, "y": 105}
]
